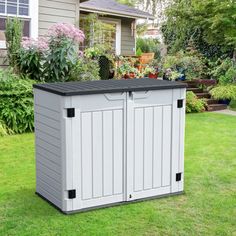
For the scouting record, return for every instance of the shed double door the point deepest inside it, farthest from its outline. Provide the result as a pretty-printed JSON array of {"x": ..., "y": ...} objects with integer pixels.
[{"x": 122, "y": 147}]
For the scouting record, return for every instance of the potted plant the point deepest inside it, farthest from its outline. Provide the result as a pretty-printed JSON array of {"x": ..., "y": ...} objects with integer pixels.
[
  {"x": 127, "y": 71},
  {"x": 224, "y": 93},
  {"x": 151, "y": 72}
]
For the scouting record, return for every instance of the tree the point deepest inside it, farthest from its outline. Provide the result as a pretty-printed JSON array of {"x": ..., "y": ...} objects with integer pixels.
[{"x": 210, "y": 24}]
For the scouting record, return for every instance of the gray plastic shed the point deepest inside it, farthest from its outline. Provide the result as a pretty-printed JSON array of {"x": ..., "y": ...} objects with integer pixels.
[{"x": 101, "y": 143}]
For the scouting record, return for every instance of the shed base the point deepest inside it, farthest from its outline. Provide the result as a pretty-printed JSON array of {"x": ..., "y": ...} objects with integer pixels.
[{"x": 109, "y": 205}]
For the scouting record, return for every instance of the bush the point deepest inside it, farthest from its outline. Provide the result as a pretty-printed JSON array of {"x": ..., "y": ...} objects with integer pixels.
[
  {"x": 52, "y": 59},
  {"x": 190, "y": 63},
  {"x": 16, "y": 103},
  {"x": 32, "y": 58},
  {"x": 13, "y": 35},
  {"x": 85, "y": 69},
  {"x": 224, "y": 92},
  {"x": 193, "y": 104},
  {"x": 224, "y": 71}
]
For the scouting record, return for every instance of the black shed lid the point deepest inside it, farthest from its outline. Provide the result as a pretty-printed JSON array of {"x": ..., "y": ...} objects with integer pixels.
[{"x": 108, "y": 86}]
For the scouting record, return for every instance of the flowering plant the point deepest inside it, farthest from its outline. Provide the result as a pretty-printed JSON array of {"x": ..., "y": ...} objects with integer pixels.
[
  {"x": 68, "y": 31},
  {"x": 51, "y": 58}
]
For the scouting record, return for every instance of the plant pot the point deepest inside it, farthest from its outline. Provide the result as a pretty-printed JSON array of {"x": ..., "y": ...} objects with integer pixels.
[
  {"x": 225, "y": 101},
  {"x": 126, "y": 76},
  {"x": 152, "y": 76},
  {"x": 131, "y": 75}
]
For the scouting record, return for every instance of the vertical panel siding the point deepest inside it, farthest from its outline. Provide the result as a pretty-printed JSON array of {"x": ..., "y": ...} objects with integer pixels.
[
  {"x": 56, "y": 11},
  {"x": 152, "y": 147},
  {"x": 102, "y": 169}
]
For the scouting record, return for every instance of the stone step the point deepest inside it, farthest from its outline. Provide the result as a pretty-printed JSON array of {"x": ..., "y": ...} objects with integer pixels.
[
  {"x": 216, "y": 107},
  {"x": 195, "y": 90},
  {"x": 191, "y": 84},
  {"x": 203, "y": 95},
  {"x": 211, "y": 101}
]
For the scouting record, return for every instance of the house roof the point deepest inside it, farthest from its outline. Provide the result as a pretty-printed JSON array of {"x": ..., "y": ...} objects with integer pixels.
[{"x": 111, "y": 7}]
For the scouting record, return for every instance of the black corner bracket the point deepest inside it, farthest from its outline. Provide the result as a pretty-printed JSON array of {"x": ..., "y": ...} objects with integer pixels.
[
  {"x": 71, "y": 112},
  {"x": 72, "y": 194},
  {"x": 180, "y": 103},
  {"x": 178, "y": 177}
]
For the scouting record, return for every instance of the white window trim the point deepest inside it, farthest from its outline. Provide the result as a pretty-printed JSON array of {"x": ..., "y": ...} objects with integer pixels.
[
  {"x": 117, "y": 22},
  {"x": 33, "y": 17}
]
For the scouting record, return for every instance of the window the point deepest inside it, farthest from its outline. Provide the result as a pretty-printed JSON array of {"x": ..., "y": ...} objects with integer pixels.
[
  {"x": 105, "y": 31},
  {"x": 14, "y": 7},
  {"x": 26, "y": 10}
]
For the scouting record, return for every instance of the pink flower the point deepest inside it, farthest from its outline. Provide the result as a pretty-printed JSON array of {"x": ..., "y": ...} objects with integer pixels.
[
  {"x": 68, "y": 31},
  {"x": 40, "y": 44}
]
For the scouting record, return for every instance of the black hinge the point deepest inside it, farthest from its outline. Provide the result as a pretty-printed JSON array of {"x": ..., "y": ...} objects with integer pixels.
[
  {"x": 71, "y": 112},
  {"x": 178, "y": 177},
  {"x": 180, "y": 103},
  {"x": 72, "y": 194}
]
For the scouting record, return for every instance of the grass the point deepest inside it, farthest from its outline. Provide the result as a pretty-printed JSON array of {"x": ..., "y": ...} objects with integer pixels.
[{"x": 208, "y": 206}]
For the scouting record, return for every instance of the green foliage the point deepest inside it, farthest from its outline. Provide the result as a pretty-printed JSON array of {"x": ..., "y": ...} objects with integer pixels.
[
  {"x": 31, "y": 63},
  {"x": 16, "y": 103},
  {"x": 61, "y": 60},
  {"x": 224, "y": 92},
  {"x": 13, "y": 35},
  {"x": 224, "y": 71},
  {"x": 209, "y": 24},
  {"x": 232, "y": 105},
  {"x": 189, "y": 63},
  {"x": 149, "y": 45},
  {"x": 193, "y": 104},
  {"x": 139, "y": 52},
  {"x": 85, "y": 69}
]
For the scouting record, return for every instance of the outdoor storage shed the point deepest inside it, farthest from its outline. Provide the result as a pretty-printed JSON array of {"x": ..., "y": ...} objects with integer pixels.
[{"x": 102, "y": 143}]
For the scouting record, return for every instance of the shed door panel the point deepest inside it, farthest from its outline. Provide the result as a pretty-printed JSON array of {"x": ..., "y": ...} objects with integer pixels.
[
  {"x": 101, "y": 151},
  {"x": 149, "y": 146}
]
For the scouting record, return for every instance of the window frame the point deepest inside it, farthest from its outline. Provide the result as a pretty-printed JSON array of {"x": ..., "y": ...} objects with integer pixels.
[
  {"x": 117, "y": 22},
  {"x": 32, "y": 17}
]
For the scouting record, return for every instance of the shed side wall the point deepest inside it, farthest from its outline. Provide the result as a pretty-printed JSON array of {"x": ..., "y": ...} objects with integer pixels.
[{"x": 48, "y": 143}]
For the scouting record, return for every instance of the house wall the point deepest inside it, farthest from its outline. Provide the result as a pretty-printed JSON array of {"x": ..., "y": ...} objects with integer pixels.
[
  {"x": 57, "y": 11},
  {"x": 128, "y": 41}
]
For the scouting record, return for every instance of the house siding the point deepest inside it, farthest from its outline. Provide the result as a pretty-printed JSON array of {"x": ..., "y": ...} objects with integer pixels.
[
  {"x": 128, "y": 43},
  {"x": 57, "y": 11}
]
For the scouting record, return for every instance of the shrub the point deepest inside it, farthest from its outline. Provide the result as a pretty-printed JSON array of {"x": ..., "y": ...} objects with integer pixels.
[
  {"x": 224, "y": 92},
  {"x": 16, "y": 102},
  {"x": 191, "y": 64},
  {"x": 193, "y": 104},
  {"x": 13, "y": 35},
  {"x": 85, "y": 69},
  {"x": 53, "y": 58},
  {"x": 224, "y": 71},
  {"x": 4, "y": 130},
  {"x": 32, "y": 58}
]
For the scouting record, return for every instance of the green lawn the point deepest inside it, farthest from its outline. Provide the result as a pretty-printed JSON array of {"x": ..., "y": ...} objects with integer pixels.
[{"x": 208, "y": 206}]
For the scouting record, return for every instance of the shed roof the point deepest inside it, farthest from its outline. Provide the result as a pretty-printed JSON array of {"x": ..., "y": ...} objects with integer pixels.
[
  {"x": 108, "y": 86},
  {"x": 111, "y": 7}
]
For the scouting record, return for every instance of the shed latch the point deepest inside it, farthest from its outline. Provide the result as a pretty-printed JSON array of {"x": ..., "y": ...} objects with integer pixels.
[
  {"x": 180, "y": 103},
  {"x": 178, "y": 177},
  {"x": 72, "y": 194},
  {"x": 71, "y": 112}
]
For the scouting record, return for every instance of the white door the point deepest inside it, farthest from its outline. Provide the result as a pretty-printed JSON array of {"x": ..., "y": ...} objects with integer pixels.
[
  {"x": 98, "y": 144},
  {"x": 149, "y": 143}
]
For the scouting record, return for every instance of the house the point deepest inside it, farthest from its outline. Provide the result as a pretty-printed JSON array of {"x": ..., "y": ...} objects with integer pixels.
[{"x": 39, "y": 15}]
